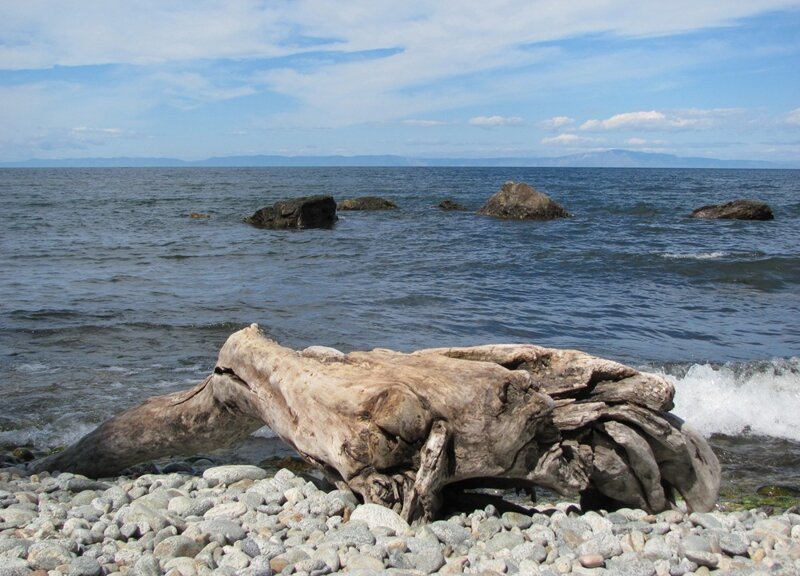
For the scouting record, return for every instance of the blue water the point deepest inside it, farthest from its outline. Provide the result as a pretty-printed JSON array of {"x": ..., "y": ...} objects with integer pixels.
[{"x": 110, "y": 293}]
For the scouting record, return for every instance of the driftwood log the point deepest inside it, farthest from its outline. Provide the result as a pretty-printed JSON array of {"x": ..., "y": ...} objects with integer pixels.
[{"x": 398, "y": 428}]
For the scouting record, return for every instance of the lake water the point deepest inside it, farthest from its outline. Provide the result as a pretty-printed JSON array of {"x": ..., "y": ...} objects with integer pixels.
[{"x": 110, "y": 293}]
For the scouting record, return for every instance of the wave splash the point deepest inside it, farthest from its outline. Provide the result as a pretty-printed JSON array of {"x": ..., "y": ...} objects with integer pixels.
[{"x": 755, "y": 398}]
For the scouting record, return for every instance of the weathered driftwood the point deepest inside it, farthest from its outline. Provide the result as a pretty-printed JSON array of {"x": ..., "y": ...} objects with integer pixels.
[{"x": 398, "y": 428}]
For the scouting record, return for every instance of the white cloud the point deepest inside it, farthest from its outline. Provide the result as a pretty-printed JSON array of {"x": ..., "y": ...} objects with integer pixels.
[
  {"x": 496, "y": 121},
  {"x": 43, "y": 33},
  {"x": 566, "y": 139},
  {"x": 636, "y": 141},
  {"x": 338, "y": 64},
  {"x": 793, "y": 117},
  {"x": 689, "y": 119},
  {"x": 556, "y": 122},
  {"x": 425, "y": 122},
  {"x": 637, "y": 120},
  {"x": 189, "y": 89}
]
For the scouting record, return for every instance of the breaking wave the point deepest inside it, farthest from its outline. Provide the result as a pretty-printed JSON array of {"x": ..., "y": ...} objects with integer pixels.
[{"x": 754, "y": 398}]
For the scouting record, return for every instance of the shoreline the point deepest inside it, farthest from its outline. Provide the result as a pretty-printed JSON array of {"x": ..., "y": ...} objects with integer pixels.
[{"x": 240, "y": 519}]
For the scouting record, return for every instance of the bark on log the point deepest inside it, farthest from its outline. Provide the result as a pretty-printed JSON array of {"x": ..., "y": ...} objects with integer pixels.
[{"x": 398, "y": 428}]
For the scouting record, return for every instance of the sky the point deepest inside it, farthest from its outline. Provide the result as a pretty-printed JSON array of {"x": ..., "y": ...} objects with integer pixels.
[{"x": 437, "y": 79}]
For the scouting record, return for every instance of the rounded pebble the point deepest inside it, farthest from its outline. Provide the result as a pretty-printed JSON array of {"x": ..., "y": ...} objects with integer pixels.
[{"x": 236, "y": 520}]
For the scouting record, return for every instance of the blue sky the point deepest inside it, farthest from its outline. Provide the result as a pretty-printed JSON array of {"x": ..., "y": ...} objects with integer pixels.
[{"x": 465, "y": 78}]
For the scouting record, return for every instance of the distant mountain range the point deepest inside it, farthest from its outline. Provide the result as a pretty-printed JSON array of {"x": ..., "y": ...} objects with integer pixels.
[{"x": 601, "y": 159}]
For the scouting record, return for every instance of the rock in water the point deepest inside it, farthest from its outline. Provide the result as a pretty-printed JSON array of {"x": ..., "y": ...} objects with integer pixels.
[
  {"x": 367, "y": 203},
  {"x": 519, "y": 201},
  {"x": 448, "y": 204},
  {"x": 735, "y": 210},
  {"x": 305, "y": 212}
]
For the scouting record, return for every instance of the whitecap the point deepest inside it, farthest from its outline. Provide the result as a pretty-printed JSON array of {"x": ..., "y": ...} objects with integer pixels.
[
  {"x": 50, "y": 435},
  {"x": 33, "y": 367},
  {"x": 715, "y": 255},
  {"x": 761, "y": 398}
]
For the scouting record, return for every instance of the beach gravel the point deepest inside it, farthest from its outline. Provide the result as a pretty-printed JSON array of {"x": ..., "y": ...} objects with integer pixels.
[{"x": 237, "y": 520}]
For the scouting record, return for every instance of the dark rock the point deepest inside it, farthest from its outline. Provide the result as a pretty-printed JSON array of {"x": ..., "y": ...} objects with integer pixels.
[
  {"x": 177, "y": 466},
  {"x": 367, "y": 203},
  {"x": 735, "y": 210},
  {"x": 518, "y": 201},
  {"x": 305, "y": 212},
  {"x": 83, "y": 484},
  {"x": 778, "y": 491},
  {"x": 23, "y": 454},
  {"x": 448, "y": 204}
]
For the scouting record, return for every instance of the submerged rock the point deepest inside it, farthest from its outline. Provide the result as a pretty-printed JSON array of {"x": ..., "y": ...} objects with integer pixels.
[
  {"x": 742, "y": 209},
  {"x": 305, "y": 212},
  {"x": 448, "y": 204},
  {"x": 367, "y": 203},
  {"x": 519, "y": 201}
]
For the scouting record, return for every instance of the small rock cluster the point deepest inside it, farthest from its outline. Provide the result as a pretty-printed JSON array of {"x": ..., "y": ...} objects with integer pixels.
[{"x": 234, "y": 520}]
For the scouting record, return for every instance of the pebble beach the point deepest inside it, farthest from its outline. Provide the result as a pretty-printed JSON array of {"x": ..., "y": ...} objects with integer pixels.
[{"x": 241, "y": 520}]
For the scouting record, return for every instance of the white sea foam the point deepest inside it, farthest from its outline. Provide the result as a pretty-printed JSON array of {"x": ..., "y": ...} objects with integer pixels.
[
  {"x": 756, "y": 398},
  {"x": 716, "y": 255},
  {"x": 50, "y": 435},
  {"x": 32, "y": 367}
]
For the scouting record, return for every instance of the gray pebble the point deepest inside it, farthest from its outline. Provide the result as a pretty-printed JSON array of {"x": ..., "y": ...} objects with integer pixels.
[
  {"x": 17, "y": 517},
  {"x": 623, "y": 566},
  {"x": 450, "y": 533},
  {"x": 81, "y": 484},
  {"x": 48, "y": 554},
  {"x": 375, "y": 515},
  {"x": 175, "y": 547},
  {"x": 85, "y": 566},
  {"x": 702, "y": 558},
  {"x": 695, "y": 543},
  {"x": 495, "y": 565},
  {"x": 147, "y": 565},
  {"x": 155, "y": 524},
  {"x": 359, "y": 562},
  {"x": 222, "y": 530},
  {"x": 489, "y": 528},
  {"x": 529, "y": 550},
  {"x": 605, "y": 545},
  {"x": 657, "y": 548},
  {"x": 352, "y": 534},
  {"x": 14, "y": 547},
  {"x": 733, "y": 544},
  {"x": 503, "y": 541},
  {"x": 249, "y": 547},
  {"x": 233, "y": 473},
  {"x": 14, "y": 567},
  {"x": 516, "y": 520},
  {"x": 259, "y": 566},
  {"x": 428, "y": 559},
  {"x": 706, "y": 520}
]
